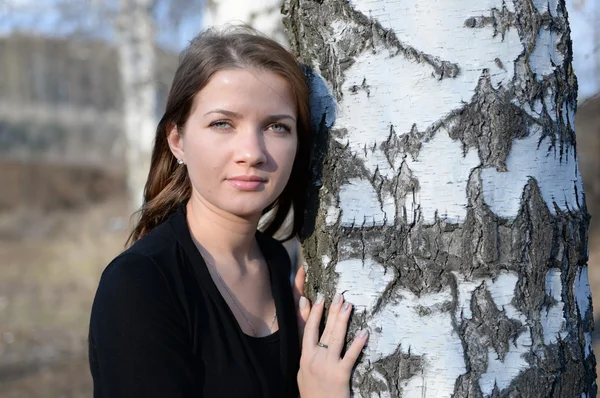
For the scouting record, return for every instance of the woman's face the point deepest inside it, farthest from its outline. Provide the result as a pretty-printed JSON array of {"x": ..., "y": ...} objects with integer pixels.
[{"x": 240, "y": 141}]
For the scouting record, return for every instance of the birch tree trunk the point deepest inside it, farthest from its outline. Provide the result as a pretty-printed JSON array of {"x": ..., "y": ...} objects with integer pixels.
[
  {"x": 136, "y": 48},
  {"x": 448, "y": 204}
]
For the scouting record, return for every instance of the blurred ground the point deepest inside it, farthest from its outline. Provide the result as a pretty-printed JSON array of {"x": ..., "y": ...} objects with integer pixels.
[
  {"x": 588, "y": 148},
  {"x": 61, "y": 224},
  {"x": 54, "y": 243}
]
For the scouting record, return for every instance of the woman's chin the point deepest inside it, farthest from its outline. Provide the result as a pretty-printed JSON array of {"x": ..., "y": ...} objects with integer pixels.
[
  {"x": 239, "y": 207},
  {"x": 247, "y": 211}
]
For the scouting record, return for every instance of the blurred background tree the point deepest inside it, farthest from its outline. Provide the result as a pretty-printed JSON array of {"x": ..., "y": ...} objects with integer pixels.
[{"x": 82, "y": 83}]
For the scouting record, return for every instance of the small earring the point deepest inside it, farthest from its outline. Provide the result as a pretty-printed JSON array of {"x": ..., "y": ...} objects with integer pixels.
[{"x": 179, "y": 161}]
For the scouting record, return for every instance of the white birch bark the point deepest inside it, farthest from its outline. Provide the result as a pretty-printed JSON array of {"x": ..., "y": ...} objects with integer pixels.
[
  {"x": 584, "y": 19},
  {"x": 136, "y": 48},
  {"x": 448, "y": 204},
  {"x": 263, "y": 15}
]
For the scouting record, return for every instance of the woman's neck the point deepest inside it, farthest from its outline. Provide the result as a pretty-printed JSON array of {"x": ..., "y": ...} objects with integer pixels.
[{"x": 223, "y": 237}]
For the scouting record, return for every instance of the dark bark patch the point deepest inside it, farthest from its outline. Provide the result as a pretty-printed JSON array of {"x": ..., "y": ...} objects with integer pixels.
[
  {"x": 557, "y": 375},
  {"x": 398, "y": 367},
  {"x": 399, "y": 146},
  {"x": 498, "y": 329},
  {"x": 499, "y": 19},
  {"x": 489, "y": 123}
]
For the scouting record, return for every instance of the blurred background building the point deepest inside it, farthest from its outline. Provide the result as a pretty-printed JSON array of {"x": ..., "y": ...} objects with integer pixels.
[
  {"x": 61, "y": 107},
  {"x": 64, "y": 205}
]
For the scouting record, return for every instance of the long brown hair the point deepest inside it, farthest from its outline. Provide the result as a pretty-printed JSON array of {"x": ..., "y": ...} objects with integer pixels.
[{"x": 168, "y": 184}]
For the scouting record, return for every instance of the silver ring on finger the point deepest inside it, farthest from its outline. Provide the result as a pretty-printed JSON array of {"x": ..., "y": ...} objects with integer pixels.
[{"x": 322, "y": 345}]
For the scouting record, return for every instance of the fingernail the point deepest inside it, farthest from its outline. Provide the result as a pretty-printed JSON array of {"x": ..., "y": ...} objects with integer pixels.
[
  {"x": 319, "y": 299},
  {"x": 362, "y": 333},
  {"x": 303, "y": 302},
  {"x": 336, "y": 298},
  {"x": 346, "y": 306}
]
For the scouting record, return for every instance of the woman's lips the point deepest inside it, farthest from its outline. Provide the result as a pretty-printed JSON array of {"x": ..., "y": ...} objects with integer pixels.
[{"x": 247, "y": 183}]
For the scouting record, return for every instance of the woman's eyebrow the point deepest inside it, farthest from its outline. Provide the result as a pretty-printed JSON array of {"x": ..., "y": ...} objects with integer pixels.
[
  {"x": 225, "y": 112},
  {"x": 283, "y": 116}
]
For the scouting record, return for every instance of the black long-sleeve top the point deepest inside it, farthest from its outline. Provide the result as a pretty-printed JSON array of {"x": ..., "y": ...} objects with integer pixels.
[{"x": 160, "y": 328}]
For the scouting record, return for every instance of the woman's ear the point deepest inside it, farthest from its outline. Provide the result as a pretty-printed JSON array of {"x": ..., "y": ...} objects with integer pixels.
[{"x": 175, "y": 140}]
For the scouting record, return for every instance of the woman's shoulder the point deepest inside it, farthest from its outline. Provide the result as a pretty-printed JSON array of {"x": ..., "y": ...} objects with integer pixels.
[
  {"x": 145, "y": 272},
  {"x": 150, "y": 256},
  {"x": 132, "y": 268},
  {"x": 160, "y": 239},
  {"x": 134, "y": 292}
]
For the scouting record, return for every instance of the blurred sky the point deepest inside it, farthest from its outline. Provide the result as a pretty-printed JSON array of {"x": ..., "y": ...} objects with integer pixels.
[{"x": 90, "y": 17}]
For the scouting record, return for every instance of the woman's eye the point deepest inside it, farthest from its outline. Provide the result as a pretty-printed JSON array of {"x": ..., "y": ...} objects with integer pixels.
[
  {"x": 220, "y": 124},
  {"x": 279, "y": 128}
]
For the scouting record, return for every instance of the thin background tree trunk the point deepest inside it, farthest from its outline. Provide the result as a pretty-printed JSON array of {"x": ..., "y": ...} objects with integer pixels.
[
  {"x": 264, "y": 15},
  {"x": 584, "y": 18},
  {"x": 448, "y": 204},
  {"x": 137, "y": 54}
]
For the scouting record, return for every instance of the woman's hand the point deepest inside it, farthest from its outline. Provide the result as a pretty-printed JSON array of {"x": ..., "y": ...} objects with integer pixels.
[{"x": 323, "y": 372}]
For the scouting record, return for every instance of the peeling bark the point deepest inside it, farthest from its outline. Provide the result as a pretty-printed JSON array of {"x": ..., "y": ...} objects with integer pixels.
[{"x": 447, "y": 201}]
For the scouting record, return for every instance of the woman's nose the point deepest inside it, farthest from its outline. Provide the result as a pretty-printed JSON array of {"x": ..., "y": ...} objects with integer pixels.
[{"x": 250, "y": 147}]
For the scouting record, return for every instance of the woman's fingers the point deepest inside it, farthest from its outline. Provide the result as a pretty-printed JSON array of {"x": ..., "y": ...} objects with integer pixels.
[
  {"x": 311, "y": 328},
  {"x": 338, "y": 333},
  {"x": 298, "y": 289},
  {"x": 355, "y": 348},
  {"x": 302, "y": 304},
  {"x": 303, "y": 313},
  {"x": 334, "y": 310}
]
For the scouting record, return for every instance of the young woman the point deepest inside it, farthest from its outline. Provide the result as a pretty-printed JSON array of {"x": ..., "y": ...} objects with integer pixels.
[{"x": 200, "y": 305}]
